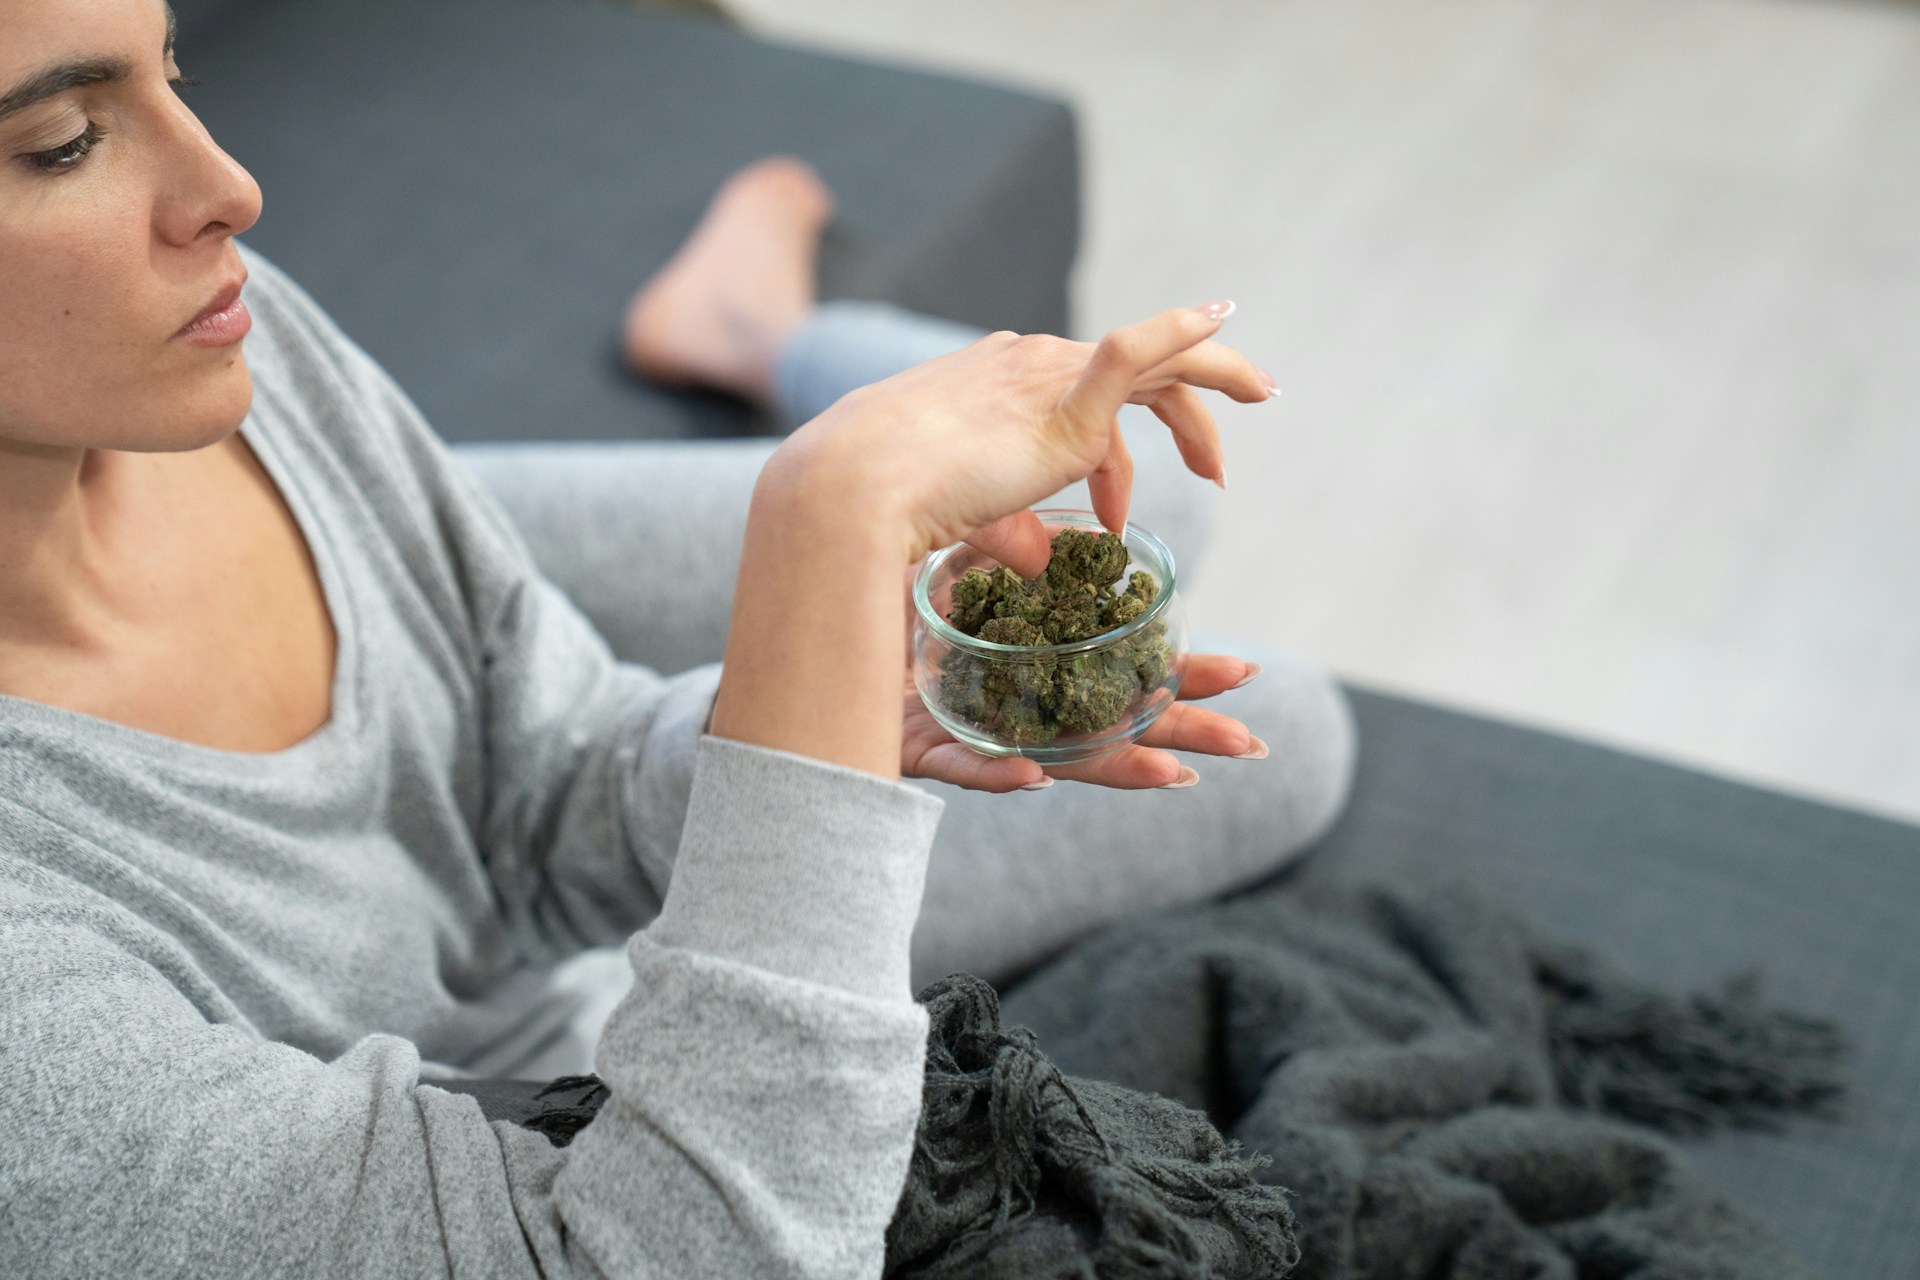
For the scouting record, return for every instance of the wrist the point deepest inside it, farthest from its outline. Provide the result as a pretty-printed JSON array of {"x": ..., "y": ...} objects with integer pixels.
[
  {"x": 826, "y": 475},
  {"x": 815, "y": 649}
]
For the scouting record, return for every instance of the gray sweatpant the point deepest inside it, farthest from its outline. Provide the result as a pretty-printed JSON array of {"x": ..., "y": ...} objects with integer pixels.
[{"x": 637, "y": 532}]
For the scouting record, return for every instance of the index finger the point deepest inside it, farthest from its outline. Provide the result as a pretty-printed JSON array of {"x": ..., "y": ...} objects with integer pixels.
[{"x": 1126, "y": 353}]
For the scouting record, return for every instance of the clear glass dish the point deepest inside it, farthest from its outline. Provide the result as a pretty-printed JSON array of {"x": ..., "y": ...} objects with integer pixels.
[{"x": 1050, "y": 703}]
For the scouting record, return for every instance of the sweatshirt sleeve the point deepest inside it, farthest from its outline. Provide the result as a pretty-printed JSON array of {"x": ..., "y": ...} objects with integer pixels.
[{"x": 764, "y": 1075}]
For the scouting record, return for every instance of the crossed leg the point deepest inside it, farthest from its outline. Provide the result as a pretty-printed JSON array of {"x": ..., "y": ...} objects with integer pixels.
[{"x": 637, "y": 534}]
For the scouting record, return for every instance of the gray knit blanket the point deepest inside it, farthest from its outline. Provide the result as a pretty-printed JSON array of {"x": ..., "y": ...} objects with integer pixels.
[
  {"x": 1335, "y": 1083},
  {"x": 1327, "y": 1083}
]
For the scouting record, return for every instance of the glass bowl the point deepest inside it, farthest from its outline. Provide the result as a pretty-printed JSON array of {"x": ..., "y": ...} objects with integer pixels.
[{"x": 1053, "y": 703}]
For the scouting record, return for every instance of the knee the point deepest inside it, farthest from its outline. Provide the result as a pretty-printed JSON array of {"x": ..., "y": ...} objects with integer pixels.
[{"x": 1306, "y": 720}]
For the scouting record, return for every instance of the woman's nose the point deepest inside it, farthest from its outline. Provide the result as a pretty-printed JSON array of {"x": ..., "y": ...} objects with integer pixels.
[{"x": 206, "y": 190}]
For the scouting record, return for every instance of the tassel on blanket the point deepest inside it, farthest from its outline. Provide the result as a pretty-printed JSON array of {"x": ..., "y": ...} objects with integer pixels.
[
  {"x": 1020, "y": 1172},
  {"x": 1685, "y": 1064},
  {"x": 560, "y": 1121}
]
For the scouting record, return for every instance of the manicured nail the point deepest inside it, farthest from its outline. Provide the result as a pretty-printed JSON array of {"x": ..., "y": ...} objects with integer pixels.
[
  {"x": 1123, "y": 530},
  {"x": 1041, "y": 785},
  {"x": 1216, "y": 310},
  {"x": 1258, "y": 751},
  {"x": 1273, "y": 383},
  {"x": 1253, "y": 669},
  {"x": 1221, "y": 479},
  {"x": 1186, "y": 779}
]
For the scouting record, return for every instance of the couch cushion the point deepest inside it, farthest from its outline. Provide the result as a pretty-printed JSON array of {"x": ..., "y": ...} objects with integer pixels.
[
  {"x": 1684, "y": 877},
  {"x": 474, "y": 187},
  {"x": 198, "y": 17}
]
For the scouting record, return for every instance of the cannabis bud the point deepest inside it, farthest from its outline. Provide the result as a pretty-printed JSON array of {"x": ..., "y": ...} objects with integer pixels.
[{"x": 1032, "y": 700}]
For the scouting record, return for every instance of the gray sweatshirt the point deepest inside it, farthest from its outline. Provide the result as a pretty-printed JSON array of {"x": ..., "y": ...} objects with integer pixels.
[{"x": 220, "y": 973}]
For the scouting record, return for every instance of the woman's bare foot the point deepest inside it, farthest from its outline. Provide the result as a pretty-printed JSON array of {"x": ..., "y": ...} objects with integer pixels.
[{"x": 719, "y": 312}]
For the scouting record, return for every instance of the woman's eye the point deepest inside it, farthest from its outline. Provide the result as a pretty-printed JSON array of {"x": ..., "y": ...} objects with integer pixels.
[
  {"x": 70, "y": 154},
  {"x": 67, "y": 157}
]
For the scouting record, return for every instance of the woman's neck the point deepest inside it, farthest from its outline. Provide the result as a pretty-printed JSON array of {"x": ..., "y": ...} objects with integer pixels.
[{"x": 65, "y": 519}]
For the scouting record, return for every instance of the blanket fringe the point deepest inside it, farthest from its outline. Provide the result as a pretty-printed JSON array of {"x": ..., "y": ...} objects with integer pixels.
[
  {"x": 1686, "y": 1064},
  {"x": 1007, "y": 1141},
  {"x": 561, "y": 1121}
]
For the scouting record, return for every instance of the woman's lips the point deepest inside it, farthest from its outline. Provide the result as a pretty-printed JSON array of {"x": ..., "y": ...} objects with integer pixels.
[{"x": 226, "y": 320}]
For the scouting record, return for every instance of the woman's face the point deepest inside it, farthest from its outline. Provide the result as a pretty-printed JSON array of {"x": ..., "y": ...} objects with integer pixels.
[{"x": 117, "y": 213}]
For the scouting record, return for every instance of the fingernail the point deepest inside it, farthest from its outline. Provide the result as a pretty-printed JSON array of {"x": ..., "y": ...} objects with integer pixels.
[
  {"x": 1186, "y": 779},
  {"x": 1216, "y": 310},
  {"x": 1273, "y": 383},
  {"x": 1253, "y": 669},
  {"x": 1258, "y": 751},
  {"x": 1041, "y": 785},
  {"x": 1221, "y": 479},
  {"x": 1123, "y": 530}
]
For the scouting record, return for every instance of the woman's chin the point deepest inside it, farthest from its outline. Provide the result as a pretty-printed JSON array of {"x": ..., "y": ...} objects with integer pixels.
[{"x": 213, "y": 412}]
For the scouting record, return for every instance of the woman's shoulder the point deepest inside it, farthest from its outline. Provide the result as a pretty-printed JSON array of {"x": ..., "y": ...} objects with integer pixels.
[
  {"x": 330, "y": 407},
  {"x": 343, "y": 423},
  {"x": 292, "y": 336},
  {"x": 307, "y": 366}
]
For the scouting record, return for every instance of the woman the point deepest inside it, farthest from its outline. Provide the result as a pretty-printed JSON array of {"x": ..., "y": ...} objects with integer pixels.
[{"x": 309, "y": 775}]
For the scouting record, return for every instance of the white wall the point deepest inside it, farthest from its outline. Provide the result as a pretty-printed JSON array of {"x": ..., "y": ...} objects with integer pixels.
[{"x": 1598, "y": 324}]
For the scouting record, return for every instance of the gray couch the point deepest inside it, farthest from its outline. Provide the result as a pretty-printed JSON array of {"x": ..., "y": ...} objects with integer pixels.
[
  {"x": 496, "y": 176},
  {"x": 493, "y": 178}
]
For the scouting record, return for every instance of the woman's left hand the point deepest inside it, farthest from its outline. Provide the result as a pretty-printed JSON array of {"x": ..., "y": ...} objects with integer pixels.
[{"x": 927, "y": 750}]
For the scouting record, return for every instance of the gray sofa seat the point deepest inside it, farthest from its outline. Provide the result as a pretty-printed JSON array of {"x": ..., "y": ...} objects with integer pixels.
[
  {"x": 1683, "y": 877},
  {"x": 474, "y": 188}
]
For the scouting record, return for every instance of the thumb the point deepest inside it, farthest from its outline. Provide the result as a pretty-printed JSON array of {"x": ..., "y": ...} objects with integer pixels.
[
  {"x": 1126, "y": 353},
  {"x": 1110, "y": 484},
  {"x": 1018, "y": 541}
]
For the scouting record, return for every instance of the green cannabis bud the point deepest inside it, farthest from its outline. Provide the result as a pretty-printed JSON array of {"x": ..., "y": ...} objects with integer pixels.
[{"x": 1032, "y": 700}]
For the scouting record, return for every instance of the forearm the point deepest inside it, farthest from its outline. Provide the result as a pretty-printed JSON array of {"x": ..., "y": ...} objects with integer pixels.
[{"x": 816, "y": 647}]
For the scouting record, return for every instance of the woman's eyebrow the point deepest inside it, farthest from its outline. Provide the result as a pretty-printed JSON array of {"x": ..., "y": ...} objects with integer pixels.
[{"x": 56, "y": 80}]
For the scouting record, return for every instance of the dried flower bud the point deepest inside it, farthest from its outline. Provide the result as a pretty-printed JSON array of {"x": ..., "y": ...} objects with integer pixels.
[
  {"x": 1121, "y": 610},
  {"x": 972, "y": 602},
  {"x": 1012, "y": 631},
  {"x": 1084, "y": 556},
  {"x": 1030, "y": 701}
]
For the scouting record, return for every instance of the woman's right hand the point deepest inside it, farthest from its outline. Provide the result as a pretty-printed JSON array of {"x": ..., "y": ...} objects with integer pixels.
[
  {"x": 957, "y": 448},
  {"x": 961, "y": 446}
]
